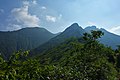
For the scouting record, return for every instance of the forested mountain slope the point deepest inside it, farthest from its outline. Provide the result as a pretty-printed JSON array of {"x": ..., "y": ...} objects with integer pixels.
[
  {"x": 73, "y": 31},
  {"x": 76, "y": 31},
  {"x": 24, "y": 39}
]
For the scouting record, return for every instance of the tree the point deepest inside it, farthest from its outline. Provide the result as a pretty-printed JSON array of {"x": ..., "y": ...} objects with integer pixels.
[{"x": 93, "y": 36}]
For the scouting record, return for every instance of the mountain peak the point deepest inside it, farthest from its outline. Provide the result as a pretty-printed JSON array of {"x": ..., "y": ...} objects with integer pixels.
[
  {"x": 89, "y": 28},
  {"x": 75, "y": 24},
  {"x": 74, "y": 30}
]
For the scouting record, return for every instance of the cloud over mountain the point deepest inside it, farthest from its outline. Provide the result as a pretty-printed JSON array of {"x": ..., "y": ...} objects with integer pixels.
[
  {"x": 13, "y": 27},
  {"x": 115, "y": 30},
  {"x": 50, "y": 18},
  {"x": 22, "y": 16}
]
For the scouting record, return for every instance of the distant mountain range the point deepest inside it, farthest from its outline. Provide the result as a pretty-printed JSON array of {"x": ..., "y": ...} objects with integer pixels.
[
  {"x": 108, "y": 39},
  {"x": 39, "y": 39},
  {"x": 76, "y": 31}
]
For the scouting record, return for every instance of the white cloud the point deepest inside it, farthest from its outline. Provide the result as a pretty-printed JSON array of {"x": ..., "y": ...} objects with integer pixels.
[
  {"x": 23, "y": 17},
  {"x": 29, "y": 3},
  {"x": 50, "y": 18},
  {"x": 115, "y": 30},
  {"x": 13, "y": 27},
  {"x": 20, "y": 17},
  {"x": 26, "y": 3},
  {"x": 43, "y": 7}
]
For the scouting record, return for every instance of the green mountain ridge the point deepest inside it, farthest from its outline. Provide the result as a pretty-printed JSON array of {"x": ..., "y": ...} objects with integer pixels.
[
  {"x": 24, "y": 39},
  {"x": 72, "y": 31},
  {"x": 76, "y": 31},
  {"x": 38, "y": 40}
]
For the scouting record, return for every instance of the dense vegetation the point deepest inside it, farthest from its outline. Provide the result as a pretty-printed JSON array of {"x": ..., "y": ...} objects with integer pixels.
[{"x": 71, "y": 60}]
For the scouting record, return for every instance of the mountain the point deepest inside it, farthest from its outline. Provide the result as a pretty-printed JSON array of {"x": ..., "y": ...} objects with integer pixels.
[
  {"x": 108, "y": 39},
  {"x": 73, "y": 31},
  {"x": 89, "y": 28},
  {"x": 23, "y": 39},
  {"x": 69, "y": 61},
  {"x": 76, "y": 31},
  {"x": 38, "y": 40}
]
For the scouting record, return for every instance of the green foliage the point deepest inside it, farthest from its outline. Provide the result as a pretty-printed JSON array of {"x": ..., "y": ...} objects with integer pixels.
[
  {"x": 93, "y": 36},
  {"x": 71, "y": 60}
]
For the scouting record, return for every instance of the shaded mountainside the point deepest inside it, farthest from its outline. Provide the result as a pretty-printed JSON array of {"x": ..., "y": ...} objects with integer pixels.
[
  {"x": 76, "y": 31},
  {"x": 73, "y": 31},
  {"x": 108, "y": 39},
  {"x": 24, "y": 39}
]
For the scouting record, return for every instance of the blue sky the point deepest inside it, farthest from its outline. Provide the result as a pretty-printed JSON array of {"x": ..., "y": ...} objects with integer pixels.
[{"x": 56, "y": 15}]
